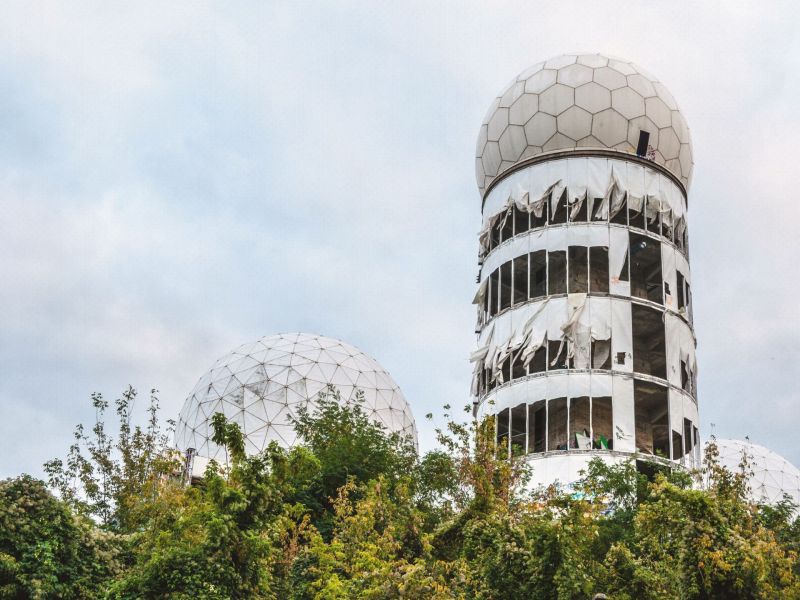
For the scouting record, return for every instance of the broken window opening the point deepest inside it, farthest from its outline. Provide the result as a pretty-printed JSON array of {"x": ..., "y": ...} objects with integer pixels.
[
  {"x": 559, "y": 216},
  {"x": 521, "y": 221},
  {"x": 598, "y": 270},
  {"x": 677, "y": 445},
  {"x": 620, "y": 358},
  {"x": 505, "y": 285},
  {"x": 602, "y": 423},
  {"x": 578, "y": 282},
  {"x": 687, "y": 436},
  {"x": 636, "y": 217},
  {"x": 518, "y": 366},
  {"x": 538, "y": 267},
  {"x": 595, "y": 205},
  {"x": 686, "y": 378},
  {"x": 537, "y": 426},
  {"x": 494, "y": 292},
  {"x": 518, "y": 428},
  {"x": 557, "y": 360},
  {"x": 645, "y": 266},
  {"x": 681, "y": 292},
  {"x": 557, "y": 272},
  {"x": 601, "y": 354},
  {"x": 651, "y": 417},
  {"x": 520, "y": 279},
  {"x": 502, "y": 433},
  {"x": 494, "y": 236},
  {"x": 505, "y": 369},
  {"x": 557, "y": 424},
  {"x": 507, "y": 224},
  {"x": 579, "y": 423},
  {"x": 537, "y": 222},
  {"x": 538, "y": 363},
  {"x": 621, "y": 217},
  {"x": 579, "y": 214},
  {"x": 649, "y": 345}
]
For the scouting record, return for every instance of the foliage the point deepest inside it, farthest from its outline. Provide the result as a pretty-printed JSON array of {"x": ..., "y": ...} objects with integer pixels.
[
  {"x": 110, "y": 478},
  {"x": 46, "y": 551},
  {"x": 353, "y": 512}
]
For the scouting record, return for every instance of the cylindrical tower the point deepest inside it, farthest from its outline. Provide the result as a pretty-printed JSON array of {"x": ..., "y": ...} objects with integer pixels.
[{"x": 585, "y": 339}]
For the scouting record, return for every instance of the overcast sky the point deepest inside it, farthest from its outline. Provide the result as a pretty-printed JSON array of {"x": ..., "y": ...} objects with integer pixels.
[{"x": 179, "y": 179}]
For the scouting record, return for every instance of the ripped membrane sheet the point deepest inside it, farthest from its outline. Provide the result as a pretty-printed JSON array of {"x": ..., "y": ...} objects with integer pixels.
[
  {"x": 576, "y": 321},
  {"x": 604, "y": 184}
]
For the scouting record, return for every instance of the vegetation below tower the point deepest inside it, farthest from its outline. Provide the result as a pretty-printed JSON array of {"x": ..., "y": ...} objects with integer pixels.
[{"x": 353, "y": 512}]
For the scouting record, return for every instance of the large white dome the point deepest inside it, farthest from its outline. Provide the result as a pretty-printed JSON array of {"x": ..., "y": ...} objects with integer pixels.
[
  {"x": 582, "y": 101},
  {"x": 260, "y": 385},
  {"x": 772, "y": 476}
]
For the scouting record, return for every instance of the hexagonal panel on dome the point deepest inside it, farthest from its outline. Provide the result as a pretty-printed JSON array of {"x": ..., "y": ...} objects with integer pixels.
[
  {"x": 553, "y": 100},
  {"x": 261, "y": 385}
]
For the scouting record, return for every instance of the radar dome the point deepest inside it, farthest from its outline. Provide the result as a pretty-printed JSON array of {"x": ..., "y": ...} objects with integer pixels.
[
  {"x": 261, "y": 385},
  {"x": 772, "y": 475},
  {"x": 578, "y": 101}
]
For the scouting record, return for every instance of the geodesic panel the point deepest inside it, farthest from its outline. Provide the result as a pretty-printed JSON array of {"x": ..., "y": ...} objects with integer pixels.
[
  {"x": 261, "y": 385},
  {"x": 772, "y": 475},
  {"x": 582, "y": 101}
]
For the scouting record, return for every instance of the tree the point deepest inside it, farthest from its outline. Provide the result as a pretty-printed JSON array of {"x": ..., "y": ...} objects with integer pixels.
[
  {"x": 348, "y": 446},
  {"x": 48, "y": 552},
  {"x": 112, "y": 478},
  {"x": 231, "y": 537}
]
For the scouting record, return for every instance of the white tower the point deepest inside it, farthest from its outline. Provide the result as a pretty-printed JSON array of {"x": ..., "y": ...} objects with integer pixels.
[{"x": 585, "y": 339}]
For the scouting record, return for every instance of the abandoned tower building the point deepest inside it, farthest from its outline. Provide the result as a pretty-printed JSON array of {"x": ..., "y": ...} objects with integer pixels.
[{"x": 585, "y": 339}]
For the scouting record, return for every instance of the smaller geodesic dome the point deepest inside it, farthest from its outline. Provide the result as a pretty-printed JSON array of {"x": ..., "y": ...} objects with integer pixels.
[
  {"x": 772, "y": 475},
  {"x": 261, "y": 385}
]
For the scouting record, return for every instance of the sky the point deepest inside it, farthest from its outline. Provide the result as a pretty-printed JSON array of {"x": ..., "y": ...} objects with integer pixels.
[{"x": 177, "y": 179}]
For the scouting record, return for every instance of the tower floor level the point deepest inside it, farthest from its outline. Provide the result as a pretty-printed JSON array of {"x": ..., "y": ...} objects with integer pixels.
[{"x": 586, "y": 345}]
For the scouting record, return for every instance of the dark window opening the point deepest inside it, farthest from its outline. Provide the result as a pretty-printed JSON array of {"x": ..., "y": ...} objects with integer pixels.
[
  {"x": 537, "y": 426},
  {"x": 579, "y": 213},
  {"x": 681, "y": 294},
  {"x": 644, "y": 140},
  {"x": 557, "y": 424},
  {"x": 602, "y": 423},
  {"x": 652, "y": 219},
  {"x": 620, "y": 360},
  {"x": 598, "y": 202},
  {"x": 505, "y": 285},
  {"x": 521, "y": 279},
  {"x": 677, "y": 445},
  {"x": 505, "y": 369},
  {"x": 650, "y": 469},
  {"x": 559, "y": 216},
  {"x": 538, "y": 267},
  {"x": 518, "y": 427},
  {"x": 651, "y": 415},
  {"x": 667, "y": 228},
  {"x": 601, "y": 354},
  {"x": 645, "y": 261},
  {"x": 579, "y": 423},
  {"x": 686, "y": 380},
  {"x": 578, "y": 282},
  {"x": 494, "y": 239},
  {"x": 521, "y": 221},
  {"x": 621, "y": 217},
  {"x": 493, "y": 291},
  {"x": 538, "y": 363},
  {"x": 502, "y": 433},
  {"x": 649, "y": 346},
  {"x": 507, "y": 223},
  {"x": 687, "y": 435},
  {"x": 598, "y": 270},
  {"x": 557, "y": 276},
  {"x": 636, "y": 217},
  {"x": 537, "y": 222},
  {"x": 557, "y": 360},
  {"x": 517, "y": 366}
]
